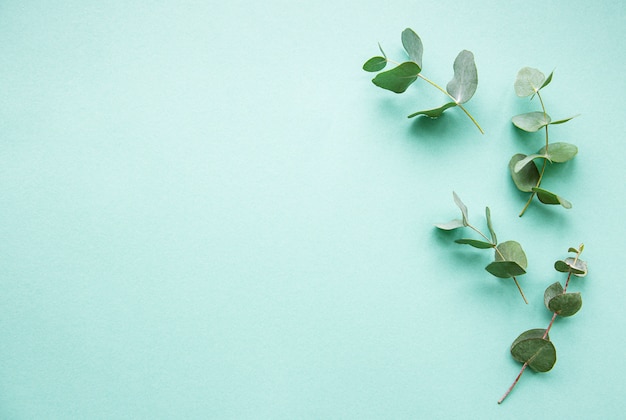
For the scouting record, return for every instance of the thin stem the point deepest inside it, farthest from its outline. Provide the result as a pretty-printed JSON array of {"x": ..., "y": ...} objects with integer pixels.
[
  {"x": 420, "y": 75},
  {"x": 502, "y": 256},
  {"x": 543, "y": 167},
  {"x": 508, "y": 391}
]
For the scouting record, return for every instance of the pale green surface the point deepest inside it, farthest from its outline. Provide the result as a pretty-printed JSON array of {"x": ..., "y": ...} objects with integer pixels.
[{"x": 209, "y": 211}]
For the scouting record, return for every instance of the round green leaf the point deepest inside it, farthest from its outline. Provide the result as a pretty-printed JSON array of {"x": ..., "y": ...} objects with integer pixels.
[
  {"x": 553, "y": 290},
  {"x": 375, "y": 64},
  {"x": 413, "y": 46},
  {"x": 505, "y": 269},
  {"x": 566, "y": 304},
  {"x": 511, "y": 251},
  {"x": 567, "y": 266},
  {"x": 529, "y": 81},
  {"x": 526, "y": 178},
  {"x": 435, "y": 112},
  {"x": 465, "y": 81},
  {"x": 475, "y": 243},
  {"x": 559, "y": 152},
  {"x": 399, "y": 78},
  {"x": 547, "y": 197},
  {"x": 539, "y": 353},
  {"x": 531, "y": 121}
]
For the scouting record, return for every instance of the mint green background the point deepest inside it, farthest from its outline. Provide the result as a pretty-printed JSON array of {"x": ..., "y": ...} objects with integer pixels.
[{"x": 208, "y": 211}]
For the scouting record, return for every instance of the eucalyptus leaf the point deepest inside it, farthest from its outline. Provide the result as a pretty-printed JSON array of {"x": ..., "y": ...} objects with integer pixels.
[
  {"x": 564, "y": 120},
  {"x": 525, "y": 161},
  {"x": 548, "y": 80},
  {"x": 399, "y": 78},
  {"x": 530, "y": 334},
  {"x": 572, "y": 249},
  {"x": 579, "y": 268},
  {"x": 511, "y": 251},
  {"x": 559, "y": 152},
  {"x": 475, "y": 243},
  {"x": 539, "y": 353},
  {"x": 505, "y": 269},
  {"x": 435, "y": 112},
  {"x": 566, "y": 304},
  {"x": 413, "y": 46},
  {"x": 465, "y": 81},
  {"x": 526, "y": 178},
  {"x": 547, "y": 197},
  {"x": 494, "y": 239},
  {"x": 461, "y": 206},
  {"x": 381, "y": 51},
  {"x": 375, "y": 64},
  {"x": 451, "y": 225},
  {"x": 531, "y": 121},
  {"x": 553, "y": 290},
  {"x": 529, "y": 81}
]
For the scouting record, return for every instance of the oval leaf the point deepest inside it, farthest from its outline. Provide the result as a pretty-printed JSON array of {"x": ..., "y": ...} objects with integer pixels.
[
  {"x": 475, "y": 243},
  {"x": 547, "y": 197},
  {"x": 539, "y": 353},
  {"x": 526, "y": 178},
  {"x": 528, "y": 334},
  {"x": 529, "y": 81},
  {"x": 531, "y": 121},
  {"x": 465, "y": 81},
  {"x": 399, "y": 78},
  {"x": 579, "y": 268},
  {"x": 553, "y": 290},
  {"x": 511, "y": 251},
  {"x": 505, "y": 269},
  {"x": 525, "y": 161},
  {"x": 559, "y": 152},
  {"x": 413, "y": 46},
  {"x": 451, "y": 225},
  {"x": 566, "y": 304},
  {"x": 435, "y": 112},
  {"x": 375, "y": 64}
]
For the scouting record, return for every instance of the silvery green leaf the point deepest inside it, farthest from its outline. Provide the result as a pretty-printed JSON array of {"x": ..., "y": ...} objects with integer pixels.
[
  {"x": 413, "y": 45},
  {"x": 435, "y": 112},
  {"x": 528, "y": 81},
  {"x": 461, "y": 206},
  {"x": 559, "y": 152},
  {"x": 465, "y": 81},
  {"x": 511, "y": 251},
  {"x": 568, "y": 266},
  {"x": 525, "y": 161},
  {"x": 494, "y": 239},
  {"x": 526, "y": 178},
  {"x": 548, "y": 80},
  {"x": 451, "y": 225},
  {"x": 564, "y": 120},
  {"x": 531, "y": 121},
  {"x": 553, "y": 290},
  {"x": 566, "y": 304}
]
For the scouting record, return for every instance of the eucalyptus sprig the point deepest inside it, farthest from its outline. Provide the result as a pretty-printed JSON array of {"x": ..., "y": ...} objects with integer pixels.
[
  {"x": 526, "y": 176},
  {"x": 509, "y": 257},
  {"x": 459, "y": 90},
  {"x": 533, "y": 348}
]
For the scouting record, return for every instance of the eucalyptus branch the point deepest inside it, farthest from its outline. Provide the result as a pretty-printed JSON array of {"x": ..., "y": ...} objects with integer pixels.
[
  {"x": 460, "y": 89},
  {"x": 509, "y": 257},
  {"x": 526, "y": 176},
  {"x": 533, "y": 348}
]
